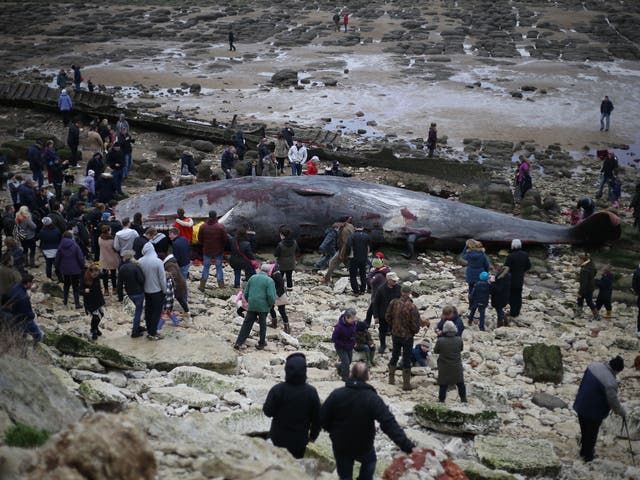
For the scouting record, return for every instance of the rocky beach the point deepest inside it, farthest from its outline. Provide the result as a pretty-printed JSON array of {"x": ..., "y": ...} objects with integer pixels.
[{"x": 500, "y": 78}]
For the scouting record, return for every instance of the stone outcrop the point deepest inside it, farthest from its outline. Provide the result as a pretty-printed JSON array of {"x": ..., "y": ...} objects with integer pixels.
[
  {"x": 102, "y": 447},
  {"x": 102, "y": 394},
  {"x": 182, "y": 395},
  {"x": 285, "y": 78},
  {"x": 525, "y": 456},
  {"x": 252, "y": 422},
  {"x": 33, "y": 395},
  {"x": 78, "y": 347},
  {"x": 543, "y": 363},
  {"x": 459, "y": 419},
  {"x": 204, "y": 380}
]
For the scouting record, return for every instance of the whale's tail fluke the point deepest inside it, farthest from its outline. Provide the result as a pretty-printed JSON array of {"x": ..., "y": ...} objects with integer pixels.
[{"x": 601, "y": 227}]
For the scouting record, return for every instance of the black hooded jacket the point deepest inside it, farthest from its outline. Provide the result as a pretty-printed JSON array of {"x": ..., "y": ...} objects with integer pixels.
[
  {"x": 348, "y": 414},
  {"x": 295, "y": 408}
]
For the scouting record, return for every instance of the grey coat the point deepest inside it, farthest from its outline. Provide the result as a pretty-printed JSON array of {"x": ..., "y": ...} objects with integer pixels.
[{"x": 449, "y": 350}]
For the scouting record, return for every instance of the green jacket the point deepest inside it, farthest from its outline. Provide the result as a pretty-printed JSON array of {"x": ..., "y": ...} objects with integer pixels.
[{"x": 260, "y": 293}]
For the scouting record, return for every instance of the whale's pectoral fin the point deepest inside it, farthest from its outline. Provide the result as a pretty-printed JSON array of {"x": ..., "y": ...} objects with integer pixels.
[
  {"x": 600, "y": 227},
  {"x": 312, "y": 192},
  {"x": 411, "y": 246}
]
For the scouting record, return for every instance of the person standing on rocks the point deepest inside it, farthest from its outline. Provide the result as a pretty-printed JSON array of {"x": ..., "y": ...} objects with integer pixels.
[
  {"x": 477, "y": 261},
  {"x": 500, "y": 289},
  {"x": 345, "y": 21},
  {"x": 607, "y": 172},
  {"x": 122, "y": 123},
  {"x": 479, "y": 299},
  {"x": 383, "y": 297},
  {"x": 131, "y": 281},
  {"x": 70, "y": 263},
  {"x": 432, "y": 139},
  {"x": 404, "y": 319},
  {"x": 286, "y": 253},
  {"x": 34, "y": 155},
  {"x": 349, "y": 414},
  {"x": 450, "y": 372},
  {"x": 281, "y": 152},
  {"x": 232, "y": 38},
  {"x": 181, "y": 250},
  {"x": 294, "y": 406},
  {"x": 336, "y": 21},
  {"x": 93, "y": 299},
  {"x": 227, "y": 160},
  {"x": 61, "y": 79},
  {"x": 606, "y": 107},
  {"x": 344, "y": 233},
  {"x": 125, "y": 237},
  {"x": 375, "y": 279},
  {"x": 288, "y": 134},
  {"x": 281, "y": 300},
  {"x": 344, "y": 339},
  {"x": 297, "y": 157},
  {"x": 597, "y": 396},
  {"x": 635, "y": 283},
  {"x": 358, "y": 245},
  {"x": 260, "y": 294},
  {"x": 587, "y": 285},
  {"x": 155, "y": 289},
  {"x": 328, "y": 246},
  {"x": 126, "y": 145},
  {"x": 518, "y": 263},
  {"x": 77, "y": 77},
  {"x": 73, "y": 141},
  {"x": 605, "y": 291},
  {"x": 65, "y": 105}
]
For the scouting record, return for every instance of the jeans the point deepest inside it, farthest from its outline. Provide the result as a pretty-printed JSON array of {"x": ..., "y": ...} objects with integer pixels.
[
  {"x": 383, "y": 330},
  {"x": 334, "y": 261},
  {"x": 344, "y": 465},
  {"x": 588, "y": 436},
  {"x": 249, "y": 320},
  {"x": 29, "y": 248},
  {"x": 74, "y": 282},
  {"x": 604, "y": 180},
  {"x": 345, "y": 362},
  {"x": 153, "y": 303},
  {"x": 323, "y": 261},
  {"x": 48, "y": 266},
  {"x": 185, "y": 270},
  {"x": 462, "y": 391},
  {"x": 206, "y": 265},
  {"x": 237, "y": 273},
  {"x": 500, "y": 314},
  {"x": 117, "y": 177},
  {"x": 296, "y": 169},
  {"x": 357, "y": 269},
  {"x": 138, "y": 301},
  {"x": 481, "y": 309},
  {"x": 406, "y": 346},
  {"x": 38, "y": 177},
  {"x": 128, "y": 161},
  {"x": 588, "y": 297},
  {"x": 604, "y": 120}
]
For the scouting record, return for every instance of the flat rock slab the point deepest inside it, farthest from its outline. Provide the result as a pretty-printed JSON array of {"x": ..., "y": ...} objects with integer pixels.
[
  {"x": 183, "y": 395},
  {"x": 252, "y": 422},
  {"x": 198, "y": 351},
  {"x": 98, "y": 392},
  {"x": 461, "y": 419},
  {"x": 477, "y": 471},
  {"x": 545, "y": 400},
  {"x": 204, "y": 380},
  {"x": 524, "y": 456}
]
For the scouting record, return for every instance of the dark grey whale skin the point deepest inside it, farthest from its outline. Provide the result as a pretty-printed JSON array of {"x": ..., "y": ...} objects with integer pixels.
[{"x": 308, "y": 205}]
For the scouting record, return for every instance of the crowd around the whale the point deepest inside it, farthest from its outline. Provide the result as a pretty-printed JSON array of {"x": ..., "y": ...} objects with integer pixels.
[{"x": 97, "y": 251}]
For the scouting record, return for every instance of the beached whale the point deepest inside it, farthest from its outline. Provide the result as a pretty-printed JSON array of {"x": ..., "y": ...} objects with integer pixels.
[{"x": 308, "y": 205}]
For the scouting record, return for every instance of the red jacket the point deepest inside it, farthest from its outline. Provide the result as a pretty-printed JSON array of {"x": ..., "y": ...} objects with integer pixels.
[
  {"x": 213, "y": 237},
  {"x": 185, "y": 225},
  {"x": 311, "y": 169}
]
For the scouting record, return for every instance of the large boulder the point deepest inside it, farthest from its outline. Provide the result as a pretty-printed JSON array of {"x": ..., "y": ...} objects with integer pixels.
[
  {"x": 525, "y": 456},
  {"x": 285, "y": 78},
  {"x": 183, "y": 395},
  {"x": 459, "y": 419},
  {"x": 102, "y": 447},
  {"x": 199, "y": 445},
  {"x": 204, "y": 380},
  {"x": 102, "y": 394},
  {"x": 545, "y": 400},
  {"x": 543, "y": 363},
  {"x": 210, "y": 353},
  {"x": 78, "y": 347},
  {"x": 31, "y": 394},
  {"x": 203, "y": 145},
  {"x": 252, "y": 422}
]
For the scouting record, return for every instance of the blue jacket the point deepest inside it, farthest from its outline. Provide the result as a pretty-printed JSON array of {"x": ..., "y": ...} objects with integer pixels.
[
  {"x": 477, "y": 262},
  {"x": 21, "y": 305},
  {"x": 181, "y": 251},
  {"x": 459, "y": 325},
  {"x": 49, "y": 238},
  {"x": 418, "y": 356},
  {"x": 64, "y": 102},
  {"x": 480, "y": 294},
  {"x": 34, "y": 154},
  {"x": 605, "y": 285},
  {"x": 598, "y": 393}
]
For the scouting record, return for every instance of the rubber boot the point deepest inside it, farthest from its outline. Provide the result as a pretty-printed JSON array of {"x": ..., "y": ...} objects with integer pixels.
[
  {"x": 392, "y": 374},
  {"x": 203, "y": 283},
  {"x": 406, "y": 379},
  {"x": 274, "y": 323},
  {"x": 383, "y": 344},
  {"x": 606, "y": 314},
  {"x": 287, "y": 328}
]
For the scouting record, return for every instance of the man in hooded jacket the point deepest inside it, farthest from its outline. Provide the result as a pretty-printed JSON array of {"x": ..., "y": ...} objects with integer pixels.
[
  {"x": 294, "y": 406},
  {"x": 155, "y": 288}
]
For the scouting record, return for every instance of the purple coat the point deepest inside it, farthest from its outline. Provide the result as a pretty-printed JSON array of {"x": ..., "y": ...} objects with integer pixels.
[
  {"x": 69, "y": 258},
  {"x": 344, "y": 334}
]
